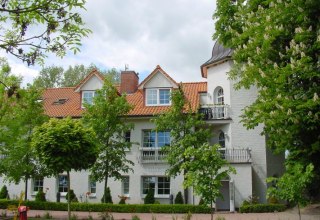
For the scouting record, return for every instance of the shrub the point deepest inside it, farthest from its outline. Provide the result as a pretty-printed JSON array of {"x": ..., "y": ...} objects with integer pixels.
[
  {"x": 108, "y": 196},
  {"x": 40, "y": 197},
  {"x": 73, "y": 197},
  {"x": 122, "y": 201},
  {"x": 4, "y": 193},
  {"x": 156, "y": 202},
  {"x": 149, "y": 199},
  {"x": 178, "y": 199},
  {"x": 201, "y": 202},
  {"x": 135, "y": 217},
  {"x": 102, "y": 207},
  {"x": 259, "y": 208}
]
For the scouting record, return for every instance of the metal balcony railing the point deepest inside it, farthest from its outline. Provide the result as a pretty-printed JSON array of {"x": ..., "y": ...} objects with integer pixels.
[
  {"x": 152, "y": 155},
  {"x": 236, "y": 155},
  {"x": 215, "y": 112}
]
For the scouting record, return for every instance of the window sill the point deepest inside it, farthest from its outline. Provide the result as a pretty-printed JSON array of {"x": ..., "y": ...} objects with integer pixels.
[
  {"x": 63, "y": 194},
  {"x": 158, "y": 196}
]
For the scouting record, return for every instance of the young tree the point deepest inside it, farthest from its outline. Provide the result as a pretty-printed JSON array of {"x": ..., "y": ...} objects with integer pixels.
[
  {"x": 63, "y": 145},
  {"x": 206, "y": 169},
  {"x": 31, "y": 28},
  {"x": 107, "y": 117},
  {"x": 276, "y": 48},
  {"x": 292, "y": 185},
  {"x": 25, "y": 114},
  {"x": 187, "y": 130}
]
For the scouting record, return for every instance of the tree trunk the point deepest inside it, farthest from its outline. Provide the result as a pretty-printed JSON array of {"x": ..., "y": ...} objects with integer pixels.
[
  {"x": 69, "y": 212},
  {"x": 186, "y": 192},
  {"x": 26, "y": 188},
  {"x": 299, "y": 212},
  {"x": 211, "y": 210},
  {"x": 105, "y": 188}
]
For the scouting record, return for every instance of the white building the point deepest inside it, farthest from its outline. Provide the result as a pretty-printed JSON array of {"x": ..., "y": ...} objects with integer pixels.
[{"x": 245, "y": 149}]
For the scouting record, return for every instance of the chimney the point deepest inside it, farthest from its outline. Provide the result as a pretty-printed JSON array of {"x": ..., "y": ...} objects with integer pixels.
[{"x": 129, "y": 82}]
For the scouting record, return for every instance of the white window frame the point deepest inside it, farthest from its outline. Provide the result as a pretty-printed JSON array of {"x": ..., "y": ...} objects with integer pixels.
[
  {"x": 126, "y": 185},
  {"x": 156, "y": 137},
  {"x": 64, "y": 193},
  {"x": 219, "y": 96},
  {"x": 35, "y": 184},
  {"x": 155, "y": 180},
  {"x": 157, "y": 99},
  {"x": 90, "y": 187},
  {"x": 87, "y": 92}
]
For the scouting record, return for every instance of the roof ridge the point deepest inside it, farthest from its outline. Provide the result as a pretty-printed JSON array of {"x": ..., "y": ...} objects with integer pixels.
[
  {"x": 193, "y": 82},
  {"x": 66, "y": 87}
]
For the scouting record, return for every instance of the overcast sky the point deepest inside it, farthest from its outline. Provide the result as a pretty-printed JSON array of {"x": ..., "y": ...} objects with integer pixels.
[{"x": 175, "y": 34}]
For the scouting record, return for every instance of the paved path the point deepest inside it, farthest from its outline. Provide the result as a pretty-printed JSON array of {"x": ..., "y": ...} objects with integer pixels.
[{"x": 147, "y": 216}]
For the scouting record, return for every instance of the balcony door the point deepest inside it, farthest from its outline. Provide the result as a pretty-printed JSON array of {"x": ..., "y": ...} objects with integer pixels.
[{"x": 219, "y": 102}]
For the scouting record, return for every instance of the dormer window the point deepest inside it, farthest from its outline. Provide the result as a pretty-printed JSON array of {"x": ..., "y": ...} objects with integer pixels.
[
  {"x": 87, "y": 97},
  {"x": 156, "y": 97}
]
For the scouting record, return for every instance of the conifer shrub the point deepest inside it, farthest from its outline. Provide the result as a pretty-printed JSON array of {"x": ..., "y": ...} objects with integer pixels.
[
  {"x": 149, "y": 199},
  {"x": 4, "y": 194},
  {"x": 73, "y": 197},
  {"x": 179, "y": 198},
  {"x": 40, "y": 196},
  {"x": 108, "y": 196}
]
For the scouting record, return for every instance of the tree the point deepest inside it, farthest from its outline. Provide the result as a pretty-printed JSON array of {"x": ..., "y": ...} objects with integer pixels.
[
  {"x": 32, "y": 28},
  {"x": 74, "y": 74},
  {"x": 276, "y": 48},
  {"x": 4, "y": 194},
  {"x": 149, "y": 199},
  {"x": 107, "y": 198},
  {"x": 186, "y": 130},
  {"x": 206, "y": 169},
  {"x": 25, "y": 114},
  {"x": 49, "y": 77},
  {"x": 107, "y": 117},
  {"x": 179, "y": 198},
  {"x": 292, "y": 185},
  {"x": 65, "y": 145}
]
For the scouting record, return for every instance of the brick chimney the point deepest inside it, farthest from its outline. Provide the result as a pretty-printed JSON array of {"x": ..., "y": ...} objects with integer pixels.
[{"x": 129, "y": 82}]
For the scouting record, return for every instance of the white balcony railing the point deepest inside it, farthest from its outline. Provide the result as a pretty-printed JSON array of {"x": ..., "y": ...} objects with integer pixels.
[
  {"x": 152, "y": 155},
  {"x": 236, "y": 155},
  {"x": 215, "y": 111}
]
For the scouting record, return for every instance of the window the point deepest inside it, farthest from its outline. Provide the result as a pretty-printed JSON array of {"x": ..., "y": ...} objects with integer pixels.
[
  {"x": 156, "y": 139},
  {"x": 160, "y": 185},
  {"x": 63, "y": 183},
  {"x": 38, "y": 184},
  {"x": 158, "y": 97},
  {"x": 87, "y": 97},
  {"x": 127, "y": 136},
  {"x": 125, "y": 185},
  {"x": 92, "y": 186},
  {"x": 219, "y": 96},
  {"x": 222, "y": 139}
]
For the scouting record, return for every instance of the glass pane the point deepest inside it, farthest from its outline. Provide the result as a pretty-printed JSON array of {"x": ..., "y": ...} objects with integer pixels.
[
  {"x": 149, "y": 138},
  {"x": 163, "y": 139},
  {"x": 151, "y": 96},
  {"x": 164, "y": 96}
]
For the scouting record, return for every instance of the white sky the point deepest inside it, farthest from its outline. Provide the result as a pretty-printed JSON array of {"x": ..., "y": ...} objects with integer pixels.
[{"x": 176, "y": 34}]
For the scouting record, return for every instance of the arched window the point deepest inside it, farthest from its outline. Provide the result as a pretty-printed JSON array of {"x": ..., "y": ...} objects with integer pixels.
[
  {"x": 219, "y": 96},
  {"x": 222, "y": 140}
]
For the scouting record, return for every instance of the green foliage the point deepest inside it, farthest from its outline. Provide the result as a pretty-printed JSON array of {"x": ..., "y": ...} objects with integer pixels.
[
  {"x": 187, "y": 216},
  {"x": 40, "y": 196},
  {"x": 73, "y": 197},
  {"x": 135, "y": 217},
  {"x": 4, "y": 194},
  {"x": 220, "y": 218},
  {"x": 58, "y": 24},
  {"x": 107, "y": 117},
  {"x": 105, "y": 215},
  {"x": 107, "y": 198},
  {"x": 292, "y": 186},
  {"x": 74, "y": 217},
  {"x": 179, "y": 198},
  {"x": 122, "y": 201},
  {"x": 276, "y": 49},
  {"x": 201, "y": 202},
  {"x": 251, "y": 200},
  {"x": 49, "y": 77},
  {"x": 101, "y": 207},
  {"x": 149, "y": 199},
  {"x": 64, "y": 145},
  {"x": 205, "y": 171},
  {"x": 260, "y": 208},
  {"x": 185, "y": 129}
]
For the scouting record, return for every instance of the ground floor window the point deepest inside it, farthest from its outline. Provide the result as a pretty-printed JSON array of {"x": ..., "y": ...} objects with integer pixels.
[
  {"x": 92, "y": 186},
  {"x": 38, "y": 184},
  {"x": 63, "y": 183},
  {"x": 160, "y": 185},
  {"x": 125, "y": 185}
]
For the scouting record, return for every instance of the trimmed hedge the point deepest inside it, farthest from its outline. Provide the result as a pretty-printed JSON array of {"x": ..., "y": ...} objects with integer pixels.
[
  {"x": 100, "y": 207},
  {"x": 259, "y": 208}
]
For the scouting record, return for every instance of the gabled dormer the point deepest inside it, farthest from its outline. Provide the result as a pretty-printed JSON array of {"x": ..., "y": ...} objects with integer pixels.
[
  {"x": 157, "y": 88},
  {"x": 88, "y": 86}
]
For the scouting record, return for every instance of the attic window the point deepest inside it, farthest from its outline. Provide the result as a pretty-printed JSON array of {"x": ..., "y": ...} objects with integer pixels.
[{"x": 60, "y": 101}]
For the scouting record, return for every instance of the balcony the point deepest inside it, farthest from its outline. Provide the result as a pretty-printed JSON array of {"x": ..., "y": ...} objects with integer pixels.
[
  {"x": 152, "y": 155},
  {"x": 236, "y": 155},
  {"x": 215, "y": 112}
]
